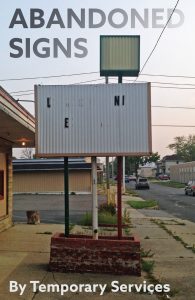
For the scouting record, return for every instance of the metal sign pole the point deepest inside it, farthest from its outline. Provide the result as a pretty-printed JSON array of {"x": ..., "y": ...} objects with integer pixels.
[
  {"x": 119, "y": 196},
  {"x": 94, "y": 196},
  {"x": 124, "y": 189},
  {"x": 66, "y": 196},
  {"x": 119, "y": 187}
]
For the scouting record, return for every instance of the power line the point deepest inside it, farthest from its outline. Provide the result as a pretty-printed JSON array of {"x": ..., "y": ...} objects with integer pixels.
[
  {"x": 81, "y": 82},
  {"x": 88, "y": 81},
  {"x": 19, "y": 95},
  {"x": 163, "y": 125},
  {"x": 173, "y": 107},
  {"x": 158, "y": 40},
  {"x": 154, "y": 106},
  {"x": 167, "y": 76},
  {"x": 172, "y": 83},
  {"x": 172, "y": 87},
  {"x": 17, "y": 92},
  {"x": 50, "y": 76},
  {"x": 163, "y": 83}
]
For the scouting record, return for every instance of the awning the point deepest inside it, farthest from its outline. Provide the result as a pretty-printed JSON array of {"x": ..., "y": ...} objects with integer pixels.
[{"x": 17, "y": 125}]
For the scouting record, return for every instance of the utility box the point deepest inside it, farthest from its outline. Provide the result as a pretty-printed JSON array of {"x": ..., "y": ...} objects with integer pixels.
[{"x": 93, "y": 120}]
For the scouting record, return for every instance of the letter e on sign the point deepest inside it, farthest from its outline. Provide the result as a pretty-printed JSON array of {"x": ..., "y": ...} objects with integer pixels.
[{"x": 66, "y": 123}]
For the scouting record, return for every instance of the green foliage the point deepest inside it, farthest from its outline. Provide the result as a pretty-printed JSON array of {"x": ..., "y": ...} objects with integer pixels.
[
  {"x": 103, "y": 218},
  {"x": 147, "y": 266},
  {"x": 132, "y": 162},
  {"x": 184, "y": 147},
  {"x": 142, "y": 204},
  {"x": 107, "y": 208}
]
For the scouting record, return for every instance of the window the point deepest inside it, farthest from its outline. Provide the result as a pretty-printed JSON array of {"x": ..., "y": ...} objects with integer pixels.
[{"x": 1, "y": 185}]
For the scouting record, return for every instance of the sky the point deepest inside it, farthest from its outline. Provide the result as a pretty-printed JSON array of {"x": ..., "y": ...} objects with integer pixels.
[{"x": 173, "y": 56}]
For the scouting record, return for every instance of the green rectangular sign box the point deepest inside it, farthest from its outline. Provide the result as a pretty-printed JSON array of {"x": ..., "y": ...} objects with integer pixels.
[{"x": 119, "y": 55}]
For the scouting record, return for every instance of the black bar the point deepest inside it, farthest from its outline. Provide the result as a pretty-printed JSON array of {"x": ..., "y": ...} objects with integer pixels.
[
  {"x": 66, "y": 196},
  {"x": 120, "y": 79}
]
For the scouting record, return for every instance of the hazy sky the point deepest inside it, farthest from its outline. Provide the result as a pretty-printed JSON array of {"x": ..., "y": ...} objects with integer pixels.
[{"x": 174, "y": 55}]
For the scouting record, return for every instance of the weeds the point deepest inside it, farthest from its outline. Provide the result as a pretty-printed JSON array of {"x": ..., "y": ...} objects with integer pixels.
[
  {"x": 147, "y": 253},
  {"x": 147, "y": 265},
  {"x": 176, "y": 237}
]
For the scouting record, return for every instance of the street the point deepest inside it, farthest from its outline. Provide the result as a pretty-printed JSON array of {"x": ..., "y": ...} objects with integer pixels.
[
  {"x": 51, "y": 207},
  {"x": 171, "y": 200}
]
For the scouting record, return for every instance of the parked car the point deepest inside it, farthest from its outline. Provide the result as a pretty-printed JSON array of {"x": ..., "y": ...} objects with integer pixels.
[
  {"x": 164, "y": 177},
  {"x": 190, "y": 188},
  {"x": 132, "y": 178},
  {"x": 142, "y": 183}
]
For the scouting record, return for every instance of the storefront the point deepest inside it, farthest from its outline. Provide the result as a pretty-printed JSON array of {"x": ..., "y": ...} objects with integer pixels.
[{"x": 17, "y": 128}]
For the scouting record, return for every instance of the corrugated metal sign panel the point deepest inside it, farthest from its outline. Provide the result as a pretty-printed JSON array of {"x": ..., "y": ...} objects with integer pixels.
[
  {"x": 119, "y": 55},
  {"x": 99, "y": 120}
]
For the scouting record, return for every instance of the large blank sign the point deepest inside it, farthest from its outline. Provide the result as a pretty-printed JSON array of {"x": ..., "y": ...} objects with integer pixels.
[{"x": 93, "y": 120}]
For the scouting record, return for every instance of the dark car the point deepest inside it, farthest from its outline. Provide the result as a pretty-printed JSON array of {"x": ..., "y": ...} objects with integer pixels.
[
  {"x": 142, "y": 183},
  {"x": 190, "y": 188}
]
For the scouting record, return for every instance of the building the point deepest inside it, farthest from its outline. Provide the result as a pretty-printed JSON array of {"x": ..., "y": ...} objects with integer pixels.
[
  {"x": 147, "y": 171},
  {"x": 183, "y": 172},
  {"x": 17, "y": 129},
  {"x": 168, "y": 161},
  {"x": 47, "y": 175}
]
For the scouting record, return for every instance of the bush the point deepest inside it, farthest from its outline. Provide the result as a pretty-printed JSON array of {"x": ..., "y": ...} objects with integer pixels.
[{"x": 108, "y": 208}]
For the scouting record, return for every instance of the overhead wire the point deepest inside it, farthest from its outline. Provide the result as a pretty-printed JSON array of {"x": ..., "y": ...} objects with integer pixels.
[
  {"x": 46, "y": 77},
  {"x": 158, "y": 40}
]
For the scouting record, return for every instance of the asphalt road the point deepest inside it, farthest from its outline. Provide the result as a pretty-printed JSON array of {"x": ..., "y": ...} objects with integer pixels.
[
  {"x": 170, "y": 200},
  {"x": 51, "y": 207}
]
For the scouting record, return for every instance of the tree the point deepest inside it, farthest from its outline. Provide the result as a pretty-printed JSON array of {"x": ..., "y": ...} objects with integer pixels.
[
  {"x": 184, "y": 147},
  {"x": 132, "y": 163},
  {"x": 27, "y": 153}
]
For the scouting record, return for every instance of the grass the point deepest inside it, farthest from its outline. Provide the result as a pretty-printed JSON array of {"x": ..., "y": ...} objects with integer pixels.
[
  {"x": 142, "y": 204},
  {"x": 170, "y": 183},
  {"x": 103, "y": 218}
]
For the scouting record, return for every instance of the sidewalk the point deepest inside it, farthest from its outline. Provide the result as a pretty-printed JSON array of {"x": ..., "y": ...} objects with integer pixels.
[{"x": 24, "y": 256}]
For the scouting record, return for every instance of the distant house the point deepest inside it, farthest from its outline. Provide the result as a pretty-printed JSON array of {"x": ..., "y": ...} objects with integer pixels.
[
  {"x": 168, "y": 161},
  {"x": 147, "y": 171},
  {"x": 47, "y": 175},
  {"x": 183, "y": 172}
]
